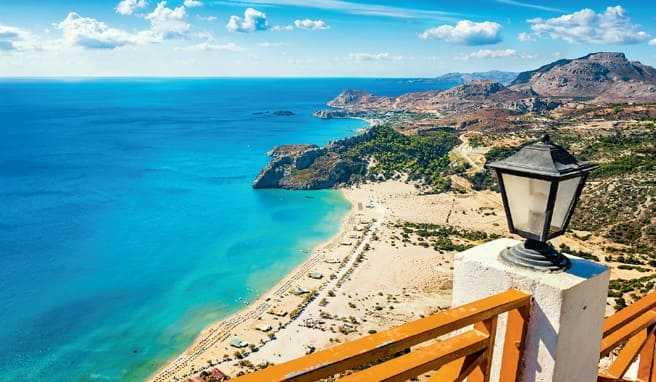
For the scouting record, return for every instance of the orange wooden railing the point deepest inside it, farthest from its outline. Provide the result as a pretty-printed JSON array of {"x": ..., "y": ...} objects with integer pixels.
[
  {"x": 463, "y": 355},
  {"x": 634, "y": 327}
]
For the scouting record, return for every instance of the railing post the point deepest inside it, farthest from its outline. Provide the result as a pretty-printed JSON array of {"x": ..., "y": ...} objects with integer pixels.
[
  {"x": 482, "y": 372},
  {"x": 513, "y": 344},
  {"x": 564, "y": 327},
  {"x": 646, "y": 364}
]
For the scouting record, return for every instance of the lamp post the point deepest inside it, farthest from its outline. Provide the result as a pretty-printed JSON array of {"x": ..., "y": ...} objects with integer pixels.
[{"x": 540, "y": 186}]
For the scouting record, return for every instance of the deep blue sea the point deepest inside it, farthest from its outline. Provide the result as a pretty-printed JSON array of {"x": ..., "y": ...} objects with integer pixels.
[{"x": 127, "y": 219}]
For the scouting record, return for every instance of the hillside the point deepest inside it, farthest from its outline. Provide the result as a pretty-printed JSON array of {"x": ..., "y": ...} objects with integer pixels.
[
  {"x": 457, "y": 78},
  {"x": 602, "y": 77},
  {"x": 598, "y": 77}
]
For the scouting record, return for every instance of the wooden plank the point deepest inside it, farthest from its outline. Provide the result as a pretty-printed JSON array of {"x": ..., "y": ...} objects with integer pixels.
[
  {"x": 513, "y": 345},
  {"x": 603, "y": 378},
  {"x": 647, "y": 358},
  {"x": 458, "y": 370},
  {"x": 423, "y": 360},
  {"x": 482, "y": 372},
  {"x": 629, "y": 313},
  {"x": 376, "y": 346},
  {"x": 618, "y": 336},
  {"x": 628, "y": 354},
  {"x": 653, "y": 362}
]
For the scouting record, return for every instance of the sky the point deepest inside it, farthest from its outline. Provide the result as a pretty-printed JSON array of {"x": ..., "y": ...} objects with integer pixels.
[{"x": 314, "y": 38}]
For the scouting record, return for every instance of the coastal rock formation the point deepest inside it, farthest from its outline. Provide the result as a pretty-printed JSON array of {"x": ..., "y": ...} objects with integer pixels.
[
  {"x": 283, "y": 113},
  {"x": 309, "y": 167},
  {"x": 340, "y": 113},
  {"x": 349, "y": 99}
]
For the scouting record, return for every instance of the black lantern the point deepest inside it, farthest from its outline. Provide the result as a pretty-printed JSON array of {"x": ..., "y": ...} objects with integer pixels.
[{"x": 540, "y": 186}]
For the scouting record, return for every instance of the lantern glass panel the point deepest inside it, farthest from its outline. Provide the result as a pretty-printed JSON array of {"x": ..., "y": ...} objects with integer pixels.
[
  {"x": 564, "y": 202},
  {"x": 527, "y": 202}
]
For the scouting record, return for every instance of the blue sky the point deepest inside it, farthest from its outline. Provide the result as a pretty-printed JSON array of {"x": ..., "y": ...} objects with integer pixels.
[{"x": 312, "y": 38}]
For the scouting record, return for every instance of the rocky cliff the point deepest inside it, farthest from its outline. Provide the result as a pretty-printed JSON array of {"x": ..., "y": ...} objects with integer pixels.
[{"x": 309, "y": 167}]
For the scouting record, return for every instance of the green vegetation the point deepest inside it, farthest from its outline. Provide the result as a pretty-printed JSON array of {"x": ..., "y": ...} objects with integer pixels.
[
  {"x": 423, "y": 158},
  {"x": 484, "y": 180},
  {"x": 440, "y": 236},
  {"x": 476, "y": 141},
  {"x": 635, "y": 288},
  {"x": 622, "y": 154},
  {"x": 620, "y": 200}
]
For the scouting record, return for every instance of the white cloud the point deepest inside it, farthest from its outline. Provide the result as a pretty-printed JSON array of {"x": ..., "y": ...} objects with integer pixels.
[
  {"x": 252, "y": 21},
  {"x": 528, "y": 5},
  {"x": 612, "y": 26},
  {"x": 652, "y": 42},
  {"x": 208, "y": 18},
  {"x": 89, "y": 33},
  {"x": 362, "y": 8},
  {"x": 282, "y": 28},
  {"x": 127, "y": 7},
  {"x": 209, "y": 46},
  {"x": 466, "y": 32},
  {"x": 311, "y": 24},
  {"x": 167, "y": 23},
  {"x": 526, "y": 37},
  {"x": 494, "y": 53},
  {"x": 374, "y": 57},
  {"x": 192, "y": 3},
  {"x": 267, "y": 44},
  {"x": 15, "y": 39}
]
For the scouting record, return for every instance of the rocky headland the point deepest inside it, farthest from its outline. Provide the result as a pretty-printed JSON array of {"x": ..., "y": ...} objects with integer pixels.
[{"x": 310, "y": 167}]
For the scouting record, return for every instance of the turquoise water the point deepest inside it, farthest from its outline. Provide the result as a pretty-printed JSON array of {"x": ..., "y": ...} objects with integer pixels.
[{"x": 127, "y": 220}]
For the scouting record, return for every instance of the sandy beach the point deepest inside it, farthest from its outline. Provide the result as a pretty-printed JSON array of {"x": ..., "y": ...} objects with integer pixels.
[
  {"x": 367, "y": 278},
  {"x": 376, "y": 273}
]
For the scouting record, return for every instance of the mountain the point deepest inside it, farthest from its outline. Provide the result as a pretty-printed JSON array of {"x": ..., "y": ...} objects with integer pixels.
[
  {"x": 457, "y": 78},
  {"x": 466, "y": 98},
  {"x": 602, "y": 77}
]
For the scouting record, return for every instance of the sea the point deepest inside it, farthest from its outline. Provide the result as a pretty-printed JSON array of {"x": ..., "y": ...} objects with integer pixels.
[{"x": 127, "y": 218}]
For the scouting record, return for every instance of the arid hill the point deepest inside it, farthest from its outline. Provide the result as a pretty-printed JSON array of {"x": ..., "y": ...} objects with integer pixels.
[
  {"x": 602, "y": 77},
  {"x": 598, "y": 77}
]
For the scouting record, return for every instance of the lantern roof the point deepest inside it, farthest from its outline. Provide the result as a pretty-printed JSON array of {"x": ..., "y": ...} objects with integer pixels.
[{"x": 543, "y": 158}]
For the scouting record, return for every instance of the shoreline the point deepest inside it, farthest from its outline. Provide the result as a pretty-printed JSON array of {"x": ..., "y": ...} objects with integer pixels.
[
  {"x": 355, "y": 291},
  {"x": 220, "y": 330}
]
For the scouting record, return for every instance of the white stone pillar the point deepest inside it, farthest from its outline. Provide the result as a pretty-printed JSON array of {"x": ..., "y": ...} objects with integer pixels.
[{"x": 565, "y": 324}]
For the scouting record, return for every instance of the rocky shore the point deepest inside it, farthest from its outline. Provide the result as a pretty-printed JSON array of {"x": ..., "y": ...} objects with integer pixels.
[{"x": 310, "y": 167}]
